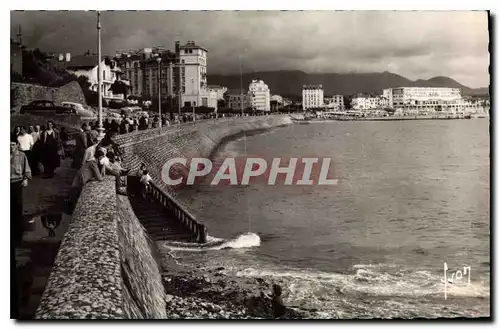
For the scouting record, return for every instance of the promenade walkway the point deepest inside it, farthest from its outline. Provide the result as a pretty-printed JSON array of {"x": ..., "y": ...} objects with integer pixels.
[{"x": 43, "y": 205}]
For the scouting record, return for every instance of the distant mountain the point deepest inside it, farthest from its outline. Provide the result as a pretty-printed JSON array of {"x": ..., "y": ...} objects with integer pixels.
[{"x": 289, "y": 83}]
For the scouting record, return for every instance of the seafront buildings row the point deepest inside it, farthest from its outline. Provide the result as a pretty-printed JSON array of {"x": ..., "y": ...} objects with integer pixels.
[{"x": 426, "y": 99}]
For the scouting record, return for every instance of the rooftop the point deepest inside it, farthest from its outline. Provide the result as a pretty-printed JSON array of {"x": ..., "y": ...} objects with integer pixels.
[
  {"x": 83, "y": 61},
  {"x": 192, "y": 45}
]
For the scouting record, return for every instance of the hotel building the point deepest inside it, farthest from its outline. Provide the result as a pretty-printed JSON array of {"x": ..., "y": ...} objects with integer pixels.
[
  {"x": 260, "y": 97},
  {"x": 312, "y": 96},
  {"x": 425, "y": 98}
]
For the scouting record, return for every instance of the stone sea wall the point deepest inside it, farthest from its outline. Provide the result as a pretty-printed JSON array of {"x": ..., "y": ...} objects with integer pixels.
[{"x": 107, "y": 267}]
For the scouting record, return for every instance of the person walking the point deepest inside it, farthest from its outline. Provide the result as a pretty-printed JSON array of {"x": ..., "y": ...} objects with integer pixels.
[
  {"x": 80, "y": 147},
  {"x": 35, "y": 152},
  {"x": 26, "y": 145},
  {"x": 50, "y": 147},
  {"x": 20, "y": 173},
  {"x": 89, "y": 136}
]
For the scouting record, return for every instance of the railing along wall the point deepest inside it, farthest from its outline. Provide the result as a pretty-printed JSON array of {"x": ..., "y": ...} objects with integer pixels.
[{"x": 181, "y": 215}]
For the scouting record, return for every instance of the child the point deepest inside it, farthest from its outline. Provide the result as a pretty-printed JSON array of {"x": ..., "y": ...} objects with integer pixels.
[{"x": 144, "y": 180}]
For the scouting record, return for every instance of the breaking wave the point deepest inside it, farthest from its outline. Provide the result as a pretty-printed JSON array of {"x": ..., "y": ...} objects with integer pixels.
[{"x": 245, "y": 240}]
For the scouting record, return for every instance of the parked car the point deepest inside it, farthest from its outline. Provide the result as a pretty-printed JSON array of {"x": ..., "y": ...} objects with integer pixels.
[
  {"x": 45, "y": 107},
  {"x": 80, "y": 110}
]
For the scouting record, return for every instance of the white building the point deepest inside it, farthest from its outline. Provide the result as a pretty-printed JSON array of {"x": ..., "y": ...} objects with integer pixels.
[
  {"x": 195, "y": 92},
  {"x": 360, "y": 103},
  {"x": 312, "y": 96},
  {"x": 425, "y": 98},
  {"x": 260, "y": 97},
  {"x": 86, "y": 65},
  {"x": 220, "y": 90},
  {"x": 335, "y": 102}
]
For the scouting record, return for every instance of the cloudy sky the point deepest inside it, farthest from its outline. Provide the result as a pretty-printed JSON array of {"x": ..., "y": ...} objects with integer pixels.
[{"x": 417, "y": 45}]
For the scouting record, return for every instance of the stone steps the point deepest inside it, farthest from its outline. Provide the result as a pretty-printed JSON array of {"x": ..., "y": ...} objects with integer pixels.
[{"x": 159, "y": 224}]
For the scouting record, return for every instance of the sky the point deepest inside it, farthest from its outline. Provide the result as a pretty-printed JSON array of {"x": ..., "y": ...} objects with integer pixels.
[{"x": 414, "y": 44}]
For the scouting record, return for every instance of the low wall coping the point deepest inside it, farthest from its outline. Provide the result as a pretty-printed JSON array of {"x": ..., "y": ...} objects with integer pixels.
[{"x": 85, "y": 282}]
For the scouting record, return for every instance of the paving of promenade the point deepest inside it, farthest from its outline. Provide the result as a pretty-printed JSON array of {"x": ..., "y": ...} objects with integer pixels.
[{"x": 34, "y": 258}]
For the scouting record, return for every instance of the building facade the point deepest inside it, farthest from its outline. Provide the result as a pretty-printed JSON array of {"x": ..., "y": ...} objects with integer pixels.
[
  {"x": 220, "y": 90},
  {"x": 312, "y": 96},
  {"x": 335, "y": 102},
  {"x": 236, "y": 100},
  {"x": 183, "y": 74},
  {"x": 425, "y": 98},
  {"x": 360, "y": 103},
  {"x": 260, "y": 97},
  {"x": 86, "y": 65}
]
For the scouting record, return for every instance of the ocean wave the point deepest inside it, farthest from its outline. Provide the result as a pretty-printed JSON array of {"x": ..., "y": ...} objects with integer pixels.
[
  {"x": 245, "y": 240},
  {"x": 368, "y": 280}
]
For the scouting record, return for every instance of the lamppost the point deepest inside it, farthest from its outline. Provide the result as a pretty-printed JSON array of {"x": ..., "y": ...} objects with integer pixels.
[
  {"x": 192, "y": 88},
  {"x": 99, "y": 77},
  {"x": 241, "y": 87},
  {"x": 180, "y": 66},
  {"x": 159, "y": 89}
]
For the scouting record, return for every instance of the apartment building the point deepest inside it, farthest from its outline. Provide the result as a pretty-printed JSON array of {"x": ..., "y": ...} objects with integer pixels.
[
  {"x": 260, "y": 97},
  {"x": 312, "y": 96},
  {"x": 183, "y": 74}
]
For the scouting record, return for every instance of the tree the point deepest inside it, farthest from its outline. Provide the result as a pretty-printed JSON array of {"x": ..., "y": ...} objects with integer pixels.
[
  {"x": 119, "y": 87},
  {"x": 221, "y": 103}
]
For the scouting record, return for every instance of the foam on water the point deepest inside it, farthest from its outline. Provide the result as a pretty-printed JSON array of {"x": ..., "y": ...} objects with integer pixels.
[
  {"x": 368, "y": 290},
  {"x": 245, "y": 240}
]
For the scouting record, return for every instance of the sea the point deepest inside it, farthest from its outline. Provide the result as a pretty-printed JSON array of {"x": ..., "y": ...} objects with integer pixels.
[{"x": 411, "y": 205}]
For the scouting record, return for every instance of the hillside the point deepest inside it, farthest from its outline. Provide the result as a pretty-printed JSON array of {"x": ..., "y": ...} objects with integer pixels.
[{"x": 290, "y": 82}]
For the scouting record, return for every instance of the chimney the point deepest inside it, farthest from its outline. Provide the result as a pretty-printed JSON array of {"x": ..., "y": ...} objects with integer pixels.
[
  {"x": 68, "y": 57},
  {"x": 61, "y": 57}
]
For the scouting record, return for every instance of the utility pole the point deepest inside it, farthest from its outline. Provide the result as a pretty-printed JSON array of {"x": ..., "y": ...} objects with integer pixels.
[
  {"x": 241, "y": 89},
  {"x": 99, "y": 76},
  {"x": 159, "y": 89}
]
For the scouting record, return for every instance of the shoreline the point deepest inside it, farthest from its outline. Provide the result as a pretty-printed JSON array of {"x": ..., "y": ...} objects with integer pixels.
[
  {"x": 200, "y": 293},
  {"x": 409, "y": 118}
]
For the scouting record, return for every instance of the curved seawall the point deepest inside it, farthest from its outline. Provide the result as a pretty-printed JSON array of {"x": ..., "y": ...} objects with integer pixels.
[
  {"x": 156, "y": 146},
  {"x": 107, "y": 266}
]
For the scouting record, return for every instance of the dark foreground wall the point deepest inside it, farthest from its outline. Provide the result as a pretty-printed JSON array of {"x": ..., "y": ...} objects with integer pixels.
[{"x": 105, "y": 267}]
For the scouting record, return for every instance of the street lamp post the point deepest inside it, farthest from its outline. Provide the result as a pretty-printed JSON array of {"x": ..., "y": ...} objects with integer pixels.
[
  {"x": 192, "y": 88},
  {"x": 159, "y": 89},
  {"x": 180, "y": 66},
  {"x": 99, "y": 77}
]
